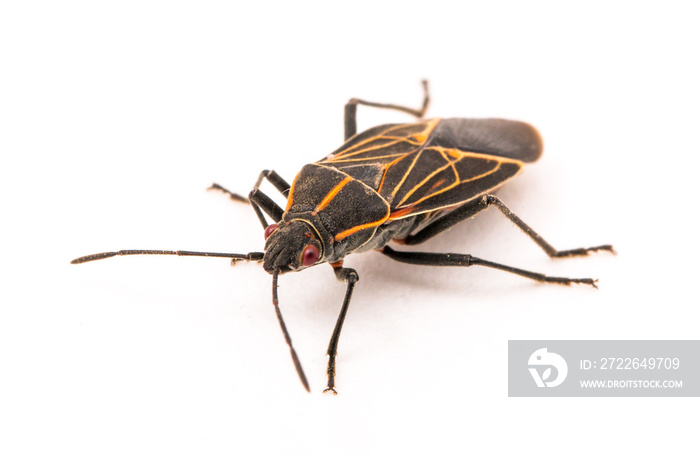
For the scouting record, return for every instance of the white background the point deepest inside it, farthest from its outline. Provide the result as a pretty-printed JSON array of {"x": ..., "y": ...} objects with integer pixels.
[{"x": 114, "y": 119}]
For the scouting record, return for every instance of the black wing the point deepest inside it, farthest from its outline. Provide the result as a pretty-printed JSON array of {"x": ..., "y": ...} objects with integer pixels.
[{"x": 437, "y": 164}]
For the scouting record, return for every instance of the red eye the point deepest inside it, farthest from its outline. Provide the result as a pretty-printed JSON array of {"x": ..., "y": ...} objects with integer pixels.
[
  {"x": 269, "y": 230},
  {"x": 309, "y": 256}
]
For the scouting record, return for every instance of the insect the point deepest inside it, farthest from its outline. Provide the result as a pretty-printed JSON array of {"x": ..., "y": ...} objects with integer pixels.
[{"x": 400, "y": 182}]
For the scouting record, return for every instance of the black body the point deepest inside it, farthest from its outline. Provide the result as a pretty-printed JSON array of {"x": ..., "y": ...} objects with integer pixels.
[{"x": 401, "y": 182}]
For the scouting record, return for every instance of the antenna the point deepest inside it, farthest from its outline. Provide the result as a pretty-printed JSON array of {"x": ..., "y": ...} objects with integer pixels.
[
  {"x": 234, "y": 256},
  {"x": 254, "y": 256},
  {"x": 288, "y": 339}
]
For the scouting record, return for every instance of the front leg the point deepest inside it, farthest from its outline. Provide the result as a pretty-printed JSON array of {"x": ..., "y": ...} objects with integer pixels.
[
  {"x": 271, "y": 176},
  {"x": 259, "y": 200},
  {"x": 350, "y": 277}
]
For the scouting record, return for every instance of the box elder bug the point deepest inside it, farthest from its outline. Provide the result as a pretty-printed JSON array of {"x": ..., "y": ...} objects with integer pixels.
[{"x": 401, "y": 182}]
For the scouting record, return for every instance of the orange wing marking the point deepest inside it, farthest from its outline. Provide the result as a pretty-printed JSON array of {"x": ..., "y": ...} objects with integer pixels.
[
  {"x": 369, "y": 149},
  {"x": 368, "y": 140},
  {"x": 403, "y": 179},
  {"x": 403, "y": 211},
  {"x": 396, "y": 214},
  {"x": 386, "y": 168},
  {"x": 371, "y": 158},
  {"x": 420, "y": 137},
  {"x": 425, "y": 180},
  {"x": 458, "y": 182}
]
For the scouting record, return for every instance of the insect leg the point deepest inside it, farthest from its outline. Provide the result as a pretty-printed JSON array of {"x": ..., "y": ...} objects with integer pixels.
[
  {"x": 350, "y": 277},
  {"x": 234, "y": 196},
  {"x": 260, "y": 200},
  {"x": 467, "y": 260},
  {"x": 271, "y": 176},
  {"x": 351, "y": 110},
  {"x": 474, "y": 207}
]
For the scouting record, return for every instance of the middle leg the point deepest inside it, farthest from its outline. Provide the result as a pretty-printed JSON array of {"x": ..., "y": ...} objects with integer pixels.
[{"x": 472, "y": 208}]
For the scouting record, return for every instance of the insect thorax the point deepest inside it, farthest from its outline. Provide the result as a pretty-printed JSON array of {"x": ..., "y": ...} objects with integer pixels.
[{"x": 344, "y": 211}]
